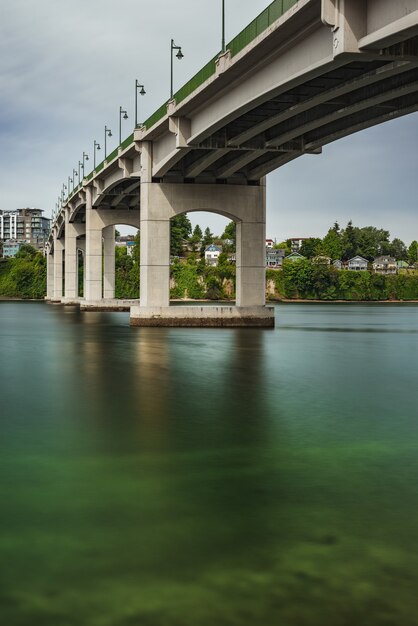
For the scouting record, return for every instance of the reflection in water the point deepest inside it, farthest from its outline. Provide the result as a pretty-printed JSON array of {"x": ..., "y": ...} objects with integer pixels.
[{"x": 236, "y": 477}]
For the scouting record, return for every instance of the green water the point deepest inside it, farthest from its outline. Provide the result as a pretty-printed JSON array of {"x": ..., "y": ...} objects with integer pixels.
[{"x": 174, "y": 477}]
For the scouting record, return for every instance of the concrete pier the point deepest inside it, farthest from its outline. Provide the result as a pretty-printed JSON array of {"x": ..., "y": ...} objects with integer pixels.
[{"x": 218, "y": 316}]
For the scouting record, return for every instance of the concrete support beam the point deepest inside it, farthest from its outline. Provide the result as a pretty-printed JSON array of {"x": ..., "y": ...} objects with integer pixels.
[
  {"x": 93, "y": 258},
  {"x": 109, "y": 262},
  {"x": 370, "y": 78},
  {"x": 49, "y": 276},
  {"x": 343, "y": 112},
  {"x": 205, "y": 161},
  {"x": 58, "y": 274},
  {"x": 234, "y": 166},
  {"x": 72, "y": 231},
  {"x": 251, "y": 258}
]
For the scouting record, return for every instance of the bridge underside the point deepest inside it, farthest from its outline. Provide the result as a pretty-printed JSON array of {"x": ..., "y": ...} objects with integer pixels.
[
  {"x": 301, "y": 120},
  {"x": 320, "y": 71}
]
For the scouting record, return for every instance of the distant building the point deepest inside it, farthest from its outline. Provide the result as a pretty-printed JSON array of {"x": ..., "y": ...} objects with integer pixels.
[
  {"x": 274, "y": 257},
  {"x": 385, "y": 265},
  {"x": 357, "y": 264},
  {"x": 11, "y": 247},
  {"x": 25, "y": 226},
  {"x": 126, "y": 241},
  {"x": 296, "y": 243},
  {"x": 295, "y": 256},
  {"x": 338, "y": 264},
  {"x": 270, "y": 243},
  {"x": 212, "y": 253}
]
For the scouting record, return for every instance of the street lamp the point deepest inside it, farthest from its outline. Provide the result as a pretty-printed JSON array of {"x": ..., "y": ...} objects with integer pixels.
[
  {"x": 142, "y": 92},
  {"x": 223, "y": 27},
  {"x": 70, "y": 180},
  {"x": 125, "y": 117},
  {"x": 74, "y": 175},
  {"x": 85, "y": 158},
  {"x": 179, "y": 55},
  {"x": 96, "y": 147},
  {"x": 64, "y": 188},
  {"x": 108, "y": 133}
]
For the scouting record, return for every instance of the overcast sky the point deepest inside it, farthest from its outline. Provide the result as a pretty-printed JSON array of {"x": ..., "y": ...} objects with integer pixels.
[{"x": 66, "y": 67}]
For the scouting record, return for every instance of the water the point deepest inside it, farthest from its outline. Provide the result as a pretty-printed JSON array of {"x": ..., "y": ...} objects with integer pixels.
[{"x": 175, "y": 477}]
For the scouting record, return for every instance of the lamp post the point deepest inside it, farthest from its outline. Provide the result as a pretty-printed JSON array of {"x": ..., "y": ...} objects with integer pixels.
[
  {"x": 179, "y": 55},
  {"x": 125, "y": 117},
  {"x": 74, "y": 176},
  {"x": 223, "y": 27},
  {"x": 85, "y": 158},
  {"x": 79, "y": 173},
  {"x": 108, "y": 133},
  {"x": 96, "y": 147},
  {"x": 70, "y": 180},
  {"x": 64, "y": 187},
  {"x": 142, "y": 92}
]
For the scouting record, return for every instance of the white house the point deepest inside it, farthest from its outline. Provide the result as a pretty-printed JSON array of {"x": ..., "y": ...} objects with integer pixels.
[
  {"x": 385, "y": 265},
  {"x": 212, "y": 253},
  {"x": 357, "y": 263}
]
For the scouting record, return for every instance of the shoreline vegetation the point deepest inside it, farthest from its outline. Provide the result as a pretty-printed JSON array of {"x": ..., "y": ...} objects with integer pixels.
[
  {"x": 24, "y": 278},
  {"x": 308, "y": 279}
]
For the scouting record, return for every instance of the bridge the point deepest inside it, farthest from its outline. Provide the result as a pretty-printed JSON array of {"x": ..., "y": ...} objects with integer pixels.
[{"x": 303, "y": 74}]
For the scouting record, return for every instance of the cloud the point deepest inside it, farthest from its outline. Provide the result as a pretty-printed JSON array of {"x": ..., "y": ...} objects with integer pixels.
[{"x": 66, "y": 67}]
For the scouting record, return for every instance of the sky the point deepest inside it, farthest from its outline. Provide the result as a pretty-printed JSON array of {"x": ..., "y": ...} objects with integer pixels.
[{"x": 66, "y": 67}]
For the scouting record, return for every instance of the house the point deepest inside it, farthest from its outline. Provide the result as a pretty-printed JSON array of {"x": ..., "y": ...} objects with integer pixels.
[
  {"x": 295, "y": 256},
  {"x": 274, "y": 257},
  {"x": 212, "y": 253},
  {"x": 385, "y": 264},
  {"x": 338, "y": 264},
  {"x": 357, "y": 263},
  {"x": 11, "y": 247},
  {"x": 270, "y": 243}
]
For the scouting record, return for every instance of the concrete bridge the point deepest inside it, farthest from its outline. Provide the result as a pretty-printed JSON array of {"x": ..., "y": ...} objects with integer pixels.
[{"x": 301, "y": 75}]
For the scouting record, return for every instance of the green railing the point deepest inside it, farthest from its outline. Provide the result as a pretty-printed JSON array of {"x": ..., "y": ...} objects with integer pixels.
[
  {"x": 127, "y": 142},
  {"x": 112, "y": 155},
  {"x": 275, "y": 10}
]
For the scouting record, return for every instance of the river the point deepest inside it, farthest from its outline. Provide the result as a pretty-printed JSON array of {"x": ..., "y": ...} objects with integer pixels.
[{"x": 202, "y": 477}]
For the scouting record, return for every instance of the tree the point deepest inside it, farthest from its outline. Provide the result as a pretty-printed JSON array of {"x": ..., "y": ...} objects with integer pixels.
[
  {"x": 26, "y": 251},
  {"x": 310, "y": 247},
  {"x": 349, "y": 242},
  {"x": 207, "y": 238},
  {"x": 331, "y": 243},
  {"x": 181, "y": 230},
  {"x": 230, "y": 232},
  {"x": 196, "y": 238},
  {"x": 398, "y": 250},
  {"x": 413, "y": 252}
]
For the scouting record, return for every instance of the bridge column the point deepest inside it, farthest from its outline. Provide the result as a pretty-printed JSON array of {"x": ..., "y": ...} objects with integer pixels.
[
  {"x": 155, "y": 240},
  {"x": 72, "y": 231},
  {"x": 251, "y": 258},
  {"x": 109, "y": 262},
  {"x": 49, "y": 276},
  {"x": 58, "y": 275},
  {"x": 243, "y": 203},
  {"x": 94, "y": 255}
]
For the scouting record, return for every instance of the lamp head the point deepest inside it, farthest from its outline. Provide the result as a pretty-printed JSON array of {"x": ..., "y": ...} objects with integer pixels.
[
  {"x": 179, "y": 55},
  {"x": 142, "y": 92},
  {"x": 125, "y": 117}
]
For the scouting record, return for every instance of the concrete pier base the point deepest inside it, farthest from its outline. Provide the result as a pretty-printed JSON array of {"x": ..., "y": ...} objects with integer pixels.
[
  {"x": 107, "y": 305},
  {"x": 203, "y": 316}
]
